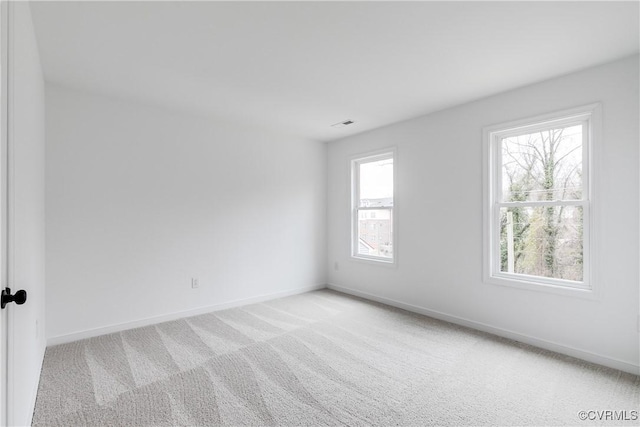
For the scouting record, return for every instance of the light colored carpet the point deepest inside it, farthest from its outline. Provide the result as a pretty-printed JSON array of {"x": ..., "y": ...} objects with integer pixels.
[{"x": 320, "y": 358}]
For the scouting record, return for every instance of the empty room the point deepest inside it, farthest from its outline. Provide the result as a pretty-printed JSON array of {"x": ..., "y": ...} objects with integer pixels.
[{"x": 307, "y": 213}]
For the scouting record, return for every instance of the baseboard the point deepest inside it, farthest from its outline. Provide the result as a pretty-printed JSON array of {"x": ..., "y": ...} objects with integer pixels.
[
  {"x": 516, "y": 336},
  {"x": 89, "y": 333}
]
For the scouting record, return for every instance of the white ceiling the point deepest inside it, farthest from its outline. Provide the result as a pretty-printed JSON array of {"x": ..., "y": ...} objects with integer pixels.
[{"x": 300, "y": 67}]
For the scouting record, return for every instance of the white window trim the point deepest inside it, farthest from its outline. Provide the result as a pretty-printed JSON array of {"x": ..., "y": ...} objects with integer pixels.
[
  {"x": 491, "y": 181},
  {"x": 390, "y": 152}
]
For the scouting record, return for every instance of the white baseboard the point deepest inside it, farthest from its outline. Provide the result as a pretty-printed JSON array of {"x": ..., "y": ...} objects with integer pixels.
[
  {"x": 89, "y": 333},
  {"x": 516, "y": 336}
]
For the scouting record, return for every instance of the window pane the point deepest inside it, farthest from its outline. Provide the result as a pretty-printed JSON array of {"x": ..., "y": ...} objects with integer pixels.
[
  {"x": 544, "y": 165},
  {"x": 375, "y": 233},
  {"x": 542, "y": 241},
  {"x": 376, "y": 183}
]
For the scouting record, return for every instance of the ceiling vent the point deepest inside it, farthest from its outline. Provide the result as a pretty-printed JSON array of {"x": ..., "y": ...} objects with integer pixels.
[{"x": 343, "y": 124}]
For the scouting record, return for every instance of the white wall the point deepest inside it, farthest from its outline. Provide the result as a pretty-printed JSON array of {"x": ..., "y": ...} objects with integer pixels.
[
  {"x": 439, "y": 208},
  {"x": 27, "y": 258},
  {"x": 141, "y": 199}
]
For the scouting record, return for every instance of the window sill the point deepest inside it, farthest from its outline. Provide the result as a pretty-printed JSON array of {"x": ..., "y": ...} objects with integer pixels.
[
  {"x": 541, "y": 287},
  {"x": 375, "y": 261}
]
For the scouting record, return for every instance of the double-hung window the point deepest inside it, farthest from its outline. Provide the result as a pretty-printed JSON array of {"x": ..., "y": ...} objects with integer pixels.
[
  {"x": 373, "y": 207},
  {"x": 538, "y": 201}
]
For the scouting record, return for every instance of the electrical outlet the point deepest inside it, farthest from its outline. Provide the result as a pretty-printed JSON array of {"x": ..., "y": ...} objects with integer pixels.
[
  {"x": 336, "y": 266},
  {"x": 37, "y": 329},
  {"x": 195, "y": 283}
]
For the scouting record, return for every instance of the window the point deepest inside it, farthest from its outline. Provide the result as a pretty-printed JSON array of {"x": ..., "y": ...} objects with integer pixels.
[
  {"x": 373, "y": 215},
  {"x": 538, "y": 201}
]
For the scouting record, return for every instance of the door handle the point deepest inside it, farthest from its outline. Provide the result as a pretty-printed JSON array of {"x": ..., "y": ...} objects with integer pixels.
[{"x": 19, "y": 297}]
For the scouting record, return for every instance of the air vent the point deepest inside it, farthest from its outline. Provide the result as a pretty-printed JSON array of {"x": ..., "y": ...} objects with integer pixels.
[{"x": 343, "y": 124}]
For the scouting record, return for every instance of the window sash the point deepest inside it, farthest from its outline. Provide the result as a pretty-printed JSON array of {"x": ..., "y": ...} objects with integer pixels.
[
  {"x": 496, "y": 264},
  {"x": 357, "y": 235},
  {"x": 499, "y": 137}
]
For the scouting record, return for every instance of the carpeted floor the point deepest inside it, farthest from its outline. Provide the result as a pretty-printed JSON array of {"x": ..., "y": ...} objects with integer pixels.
[{"x": 321, "y": 358}]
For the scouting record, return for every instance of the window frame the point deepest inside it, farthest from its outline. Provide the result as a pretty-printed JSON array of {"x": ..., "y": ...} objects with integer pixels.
[
  {"x": 355, "y": 161},
  {"x": 589, "y": 117}
]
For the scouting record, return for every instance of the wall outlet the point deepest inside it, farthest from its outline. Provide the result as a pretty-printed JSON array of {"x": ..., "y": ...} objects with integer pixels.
[
  {"x": 37, "y": 329},
  {"x": 195, "y": 283},
  {"x": 336, "y": 266}
]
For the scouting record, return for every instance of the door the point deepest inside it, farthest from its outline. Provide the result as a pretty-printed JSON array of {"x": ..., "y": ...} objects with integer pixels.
[
  {"x": 22, "y": 222},
  {"x": 3, "y": 217}
]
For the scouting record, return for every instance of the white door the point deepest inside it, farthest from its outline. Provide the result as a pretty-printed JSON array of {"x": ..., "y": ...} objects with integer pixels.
[
  {"x": 22, "y": 234},
  {"x": 3, "y": 198}
]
